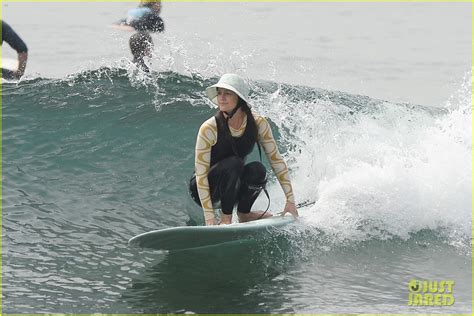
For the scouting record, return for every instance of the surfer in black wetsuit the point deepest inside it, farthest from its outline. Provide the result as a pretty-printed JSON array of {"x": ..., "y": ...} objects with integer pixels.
[
  {"x": 12, "y": 38},
  {"x": 145, "y": 19}
]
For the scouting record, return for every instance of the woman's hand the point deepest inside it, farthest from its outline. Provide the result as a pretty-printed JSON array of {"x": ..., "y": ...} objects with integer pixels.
[
  {"x": 290, "y": 208},
  {"x": 211, "y": 222}
]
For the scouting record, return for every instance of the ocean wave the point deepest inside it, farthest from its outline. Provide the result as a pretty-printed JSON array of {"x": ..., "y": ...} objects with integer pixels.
[{"x": 376, "y": 169}]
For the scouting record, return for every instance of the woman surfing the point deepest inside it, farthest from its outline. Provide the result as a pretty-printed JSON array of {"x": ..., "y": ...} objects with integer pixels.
[{"x": 222, "y": 179}]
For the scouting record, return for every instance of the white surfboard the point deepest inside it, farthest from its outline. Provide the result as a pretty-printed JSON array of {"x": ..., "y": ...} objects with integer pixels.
[
  {"x": 188, "y": 237},
  {"x": 9, "y": 63}
]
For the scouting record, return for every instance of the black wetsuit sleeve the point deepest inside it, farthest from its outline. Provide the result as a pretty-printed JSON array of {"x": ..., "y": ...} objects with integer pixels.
[
  {"x": 149, "y": 23},
  {"x": 9, "y": 36}
]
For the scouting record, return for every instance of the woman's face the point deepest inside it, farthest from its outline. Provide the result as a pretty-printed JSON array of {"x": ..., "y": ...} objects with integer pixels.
[{"x": 226, "y": 99}]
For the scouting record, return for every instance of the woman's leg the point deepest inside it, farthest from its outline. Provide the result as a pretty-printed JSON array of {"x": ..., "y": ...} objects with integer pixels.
[
  {"x": 254, "y": 179},
  {"x": 224, "y": 182}
]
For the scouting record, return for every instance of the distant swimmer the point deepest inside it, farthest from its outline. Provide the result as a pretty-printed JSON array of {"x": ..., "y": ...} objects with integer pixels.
[
  {"x": 141, "y": 46},
  {"x": 144, "y": 18},
  {"x": 12, "y": 38}
]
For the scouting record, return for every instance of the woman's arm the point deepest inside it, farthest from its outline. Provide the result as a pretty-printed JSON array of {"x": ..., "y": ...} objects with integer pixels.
[
  {"x": 207, "y": 137},
  {"x": 266, "y": 140},
  {"x": 15, "y": 41},
  {"x": 22, "y": 59}
]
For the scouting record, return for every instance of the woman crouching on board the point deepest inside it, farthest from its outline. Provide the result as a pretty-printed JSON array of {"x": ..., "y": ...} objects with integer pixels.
[{"x": 222, "y": 179}]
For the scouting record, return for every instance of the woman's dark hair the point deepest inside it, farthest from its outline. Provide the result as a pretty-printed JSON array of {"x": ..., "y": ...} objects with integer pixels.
[
  {"x": 251, "y": 125},
  {"x": 250, "y": 119}
]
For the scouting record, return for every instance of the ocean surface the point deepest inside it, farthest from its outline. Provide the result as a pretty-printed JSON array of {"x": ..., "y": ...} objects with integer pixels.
[{"x": 95, "y": 152}]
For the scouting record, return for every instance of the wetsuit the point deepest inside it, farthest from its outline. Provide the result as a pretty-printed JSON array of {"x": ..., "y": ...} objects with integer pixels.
[
  {"x": 9, "y": 36},
  {"x": 150, "y": 23},
  {"x": 221, "y": 176},
  {"x": 141, "y": 45},
  {"x": 143, "y": 19}
]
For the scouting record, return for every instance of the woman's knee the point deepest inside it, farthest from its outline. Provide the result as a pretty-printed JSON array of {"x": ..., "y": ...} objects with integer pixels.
[{"x": 254, "y": 173}]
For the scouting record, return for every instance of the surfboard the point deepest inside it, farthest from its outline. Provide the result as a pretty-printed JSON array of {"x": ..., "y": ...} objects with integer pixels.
[
  {"x": 188, "y": 237},
  {"x": 9, "y": 63}
]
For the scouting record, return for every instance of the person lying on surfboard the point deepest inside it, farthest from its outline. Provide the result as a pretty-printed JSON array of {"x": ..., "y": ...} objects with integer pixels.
[{"x": 221, "y": 178}]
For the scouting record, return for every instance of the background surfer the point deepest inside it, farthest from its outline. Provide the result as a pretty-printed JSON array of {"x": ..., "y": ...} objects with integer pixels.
[
  {"x": 222, "y": 179},
  {"x": 10, "y": 36},
  {"x": 145, "y": 19}
]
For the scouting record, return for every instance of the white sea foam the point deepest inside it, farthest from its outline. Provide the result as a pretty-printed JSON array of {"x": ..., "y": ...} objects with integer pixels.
[{"x": 386, "y": 170}]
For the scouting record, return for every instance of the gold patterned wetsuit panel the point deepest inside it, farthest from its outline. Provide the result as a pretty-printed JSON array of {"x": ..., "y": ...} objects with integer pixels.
[{"x": 207, "y": 137}]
